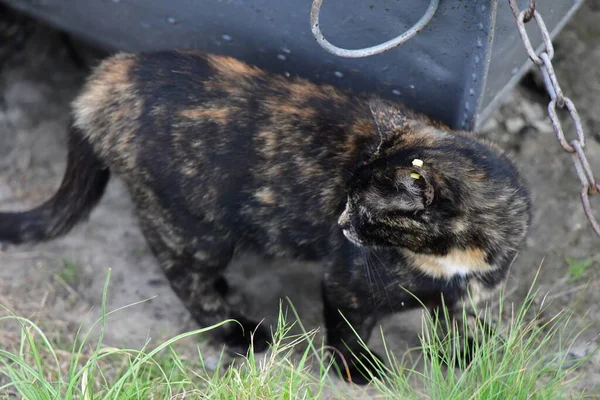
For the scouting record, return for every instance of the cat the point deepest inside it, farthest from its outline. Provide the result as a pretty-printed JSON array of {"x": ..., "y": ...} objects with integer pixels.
[{"x": 220, "y": 156}]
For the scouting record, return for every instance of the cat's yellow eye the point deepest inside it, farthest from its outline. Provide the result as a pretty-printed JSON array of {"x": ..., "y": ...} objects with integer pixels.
[
  {"x": 414, "y": 175},
  {"x": 417, "y": 163}
]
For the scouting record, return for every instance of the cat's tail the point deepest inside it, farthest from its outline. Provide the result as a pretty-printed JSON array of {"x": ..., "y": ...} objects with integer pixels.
[{"x": 82, "y": 187}]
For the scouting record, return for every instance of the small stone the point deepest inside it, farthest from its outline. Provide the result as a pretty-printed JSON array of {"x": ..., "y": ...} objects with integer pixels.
[
  {"x": 532, "y": 111},
  {"x": 211, "y": 362},
  {"x": 543, "y": 126},
  {"x": 491, "y": 125},
  {"x": 514, "y": 125}
]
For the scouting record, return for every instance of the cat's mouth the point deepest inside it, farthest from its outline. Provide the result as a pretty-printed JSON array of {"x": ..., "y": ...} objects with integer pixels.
[{"x": 352, "y": 237}]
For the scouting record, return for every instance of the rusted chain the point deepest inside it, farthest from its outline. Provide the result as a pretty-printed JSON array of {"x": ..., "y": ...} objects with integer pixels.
[
  {"x": 367, "y": 51},
  {"x": 529, "y": 12},
  {"x": 575, "y": 147}
]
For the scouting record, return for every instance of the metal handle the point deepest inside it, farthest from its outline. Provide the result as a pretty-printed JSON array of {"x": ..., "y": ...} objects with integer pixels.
[{"x": 367, "y": 51}]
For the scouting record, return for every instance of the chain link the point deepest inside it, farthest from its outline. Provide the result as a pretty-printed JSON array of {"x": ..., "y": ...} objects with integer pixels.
[
  {"x": 528, "y": 13},
  {"x": 575, "y": 147}
]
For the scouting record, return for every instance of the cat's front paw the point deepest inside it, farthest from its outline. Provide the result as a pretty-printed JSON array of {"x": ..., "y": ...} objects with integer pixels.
[
  {"x": 240, "y": 336},
  {"x": 467, "y": 340},
  {"x": 458, "y": 356},
  {"x": 359, "y": 369}
]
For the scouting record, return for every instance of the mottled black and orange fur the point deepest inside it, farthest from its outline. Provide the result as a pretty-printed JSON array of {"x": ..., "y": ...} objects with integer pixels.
[{"x": 220, "y": 156}]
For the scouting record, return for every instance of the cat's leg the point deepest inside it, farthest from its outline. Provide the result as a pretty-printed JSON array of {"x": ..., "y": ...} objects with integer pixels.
[
  {"x": 460, "y": 314},
  {"x": 350, "y": 314},
  {"x": 195, "y": 272}
]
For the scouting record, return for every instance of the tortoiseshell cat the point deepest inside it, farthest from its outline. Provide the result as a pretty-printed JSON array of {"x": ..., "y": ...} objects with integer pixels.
[{"x": 220, "y": 156}]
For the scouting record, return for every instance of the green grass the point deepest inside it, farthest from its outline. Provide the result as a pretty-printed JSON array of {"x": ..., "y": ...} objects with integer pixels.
[
  {"x": 70, "y": 272},
  {"x": 578, "y": 267},
  {"x": 521, "y": 359}
]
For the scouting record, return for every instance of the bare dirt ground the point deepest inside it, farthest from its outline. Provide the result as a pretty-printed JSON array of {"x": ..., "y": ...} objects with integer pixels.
[{"x": 63, "y": 280}]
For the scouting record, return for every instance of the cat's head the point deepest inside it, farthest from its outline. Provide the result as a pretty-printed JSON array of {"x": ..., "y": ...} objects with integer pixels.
[
  {"x": 424, "y": 187},
  {"x": 390, "y": 202}
]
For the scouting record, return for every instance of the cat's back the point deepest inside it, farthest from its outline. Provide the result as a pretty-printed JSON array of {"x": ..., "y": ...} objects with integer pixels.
[
  {"x": 130, "y": 97},
  {"x": 154, "y": 99}
]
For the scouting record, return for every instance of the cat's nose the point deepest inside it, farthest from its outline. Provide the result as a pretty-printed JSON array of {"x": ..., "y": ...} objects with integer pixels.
[{"x": 345, "y": 224}]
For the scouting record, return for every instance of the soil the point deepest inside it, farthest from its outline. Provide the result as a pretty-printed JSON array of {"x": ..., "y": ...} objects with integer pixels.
[{"x": 63, "y": 280}]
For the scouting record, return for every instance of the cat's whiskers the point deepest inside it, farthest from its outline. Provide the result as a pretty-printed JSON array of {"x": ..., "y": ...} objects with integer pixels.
[
  {"x": 364, "y": 253},
  {"x": 379, "y": 283},
  {"x": 389, "y": 274}
]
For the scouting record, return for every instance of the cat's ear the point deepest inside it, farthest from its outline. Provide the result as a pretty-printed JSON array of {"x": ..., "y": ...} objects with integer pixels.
[
  {"x": 386, "y": 115},
  {"x": 415, "y": 188}
]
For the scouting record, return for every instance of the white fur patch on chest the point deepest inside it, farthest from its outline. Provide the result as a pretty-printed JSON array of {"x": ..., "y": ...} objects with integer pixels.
[
  {"x": 452, "y": 268},
  {"x": 457, "y": 262}
]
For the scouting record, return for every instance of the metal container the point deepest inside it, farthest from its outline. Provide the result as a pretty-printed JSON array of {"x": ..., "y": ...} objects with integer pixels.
[{"x": 456, "y": 69}]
